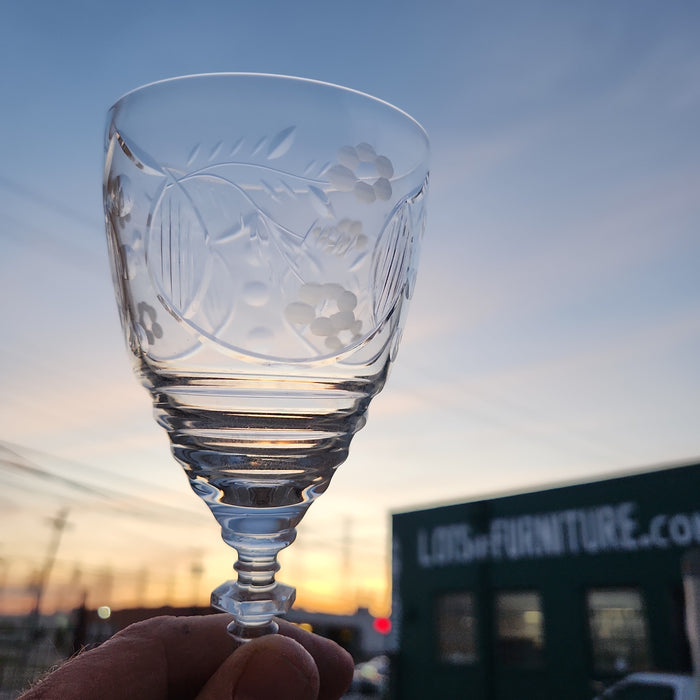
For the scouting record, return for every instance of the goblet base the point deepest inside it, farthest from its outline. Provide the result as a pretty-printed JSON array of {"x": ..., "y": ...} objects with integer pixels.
[
  {"x": 243, "y": 634},
  {"x": 253, "y": 607}
]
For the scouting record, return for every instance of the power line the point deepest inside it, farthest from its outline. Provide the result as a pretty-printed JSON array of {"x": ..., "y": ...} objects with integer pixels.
[
  {"x": 142, "y": 508},
  {"x": 136, "y": 505},
  {"x": 47, "y": 202},
  {"x": 69, "y": 250},
  {"x": 59, "y": 524},
  {"x": 24, "y": 466},
  {"x": 81, "y": 467}
]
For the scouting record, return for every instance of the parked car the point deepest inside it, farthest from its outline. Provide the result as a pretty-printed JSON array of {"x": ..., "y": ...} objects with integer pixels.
[{"x": 652, "y": 686}]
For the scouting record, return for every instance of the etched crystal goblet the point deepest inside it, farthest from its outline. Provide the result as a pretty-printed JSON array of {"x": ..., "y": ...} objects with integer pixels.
[{"x": 263, "y": 234}]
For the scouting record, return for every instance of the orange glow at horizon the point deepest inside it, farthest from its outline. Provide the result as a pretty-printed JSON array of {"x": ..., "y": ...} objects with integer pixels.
[{"x": 67, "y": 589}]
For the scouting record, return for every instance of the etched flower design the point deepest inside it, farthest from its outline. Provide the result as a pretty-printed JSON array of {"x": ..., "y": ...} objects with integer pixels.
[
  {"x": 147, "y": 323},
  {"x": 341, "y": 237},
  {"x": 356, "y": 165},
  {"x": 328, "y": 312},
  {"x": 246, "y": 252}
]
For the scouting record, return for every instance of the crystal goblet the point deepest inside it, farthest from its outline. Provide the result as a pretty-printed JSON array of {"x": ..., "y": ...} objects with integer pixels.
[{"x": 263, "y": 235}]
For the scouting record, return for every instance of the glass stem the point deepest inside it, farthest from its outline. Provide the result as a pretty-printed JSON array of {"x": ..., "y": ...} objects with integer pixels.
[
  {"x": 255, "y": 598},
  {"x": 256, "y": 570}
]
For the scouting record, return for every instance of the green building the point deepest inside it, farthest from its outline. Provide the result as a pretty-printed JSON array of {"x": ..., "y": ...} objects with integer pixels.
[{"x": 544, "y": 595}]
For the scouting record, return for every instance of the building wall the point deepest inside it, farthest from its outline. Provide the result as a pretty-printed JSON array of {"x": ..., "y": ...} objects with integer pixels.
[{"x": 571, "y": 547}]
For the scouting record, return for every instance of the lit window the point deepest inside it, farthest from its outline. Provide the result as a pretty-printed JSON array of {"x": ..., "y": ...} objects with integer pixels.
[
  {"x": 618, "y": 630},
  {"x": 456, "y": 628},
  {"x": 519, "y": 628}
]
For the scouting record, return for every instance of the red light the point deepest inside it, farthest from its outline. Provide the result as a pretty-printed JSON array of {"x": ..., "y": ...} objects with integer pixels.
[{"x": 382, "y": 625}]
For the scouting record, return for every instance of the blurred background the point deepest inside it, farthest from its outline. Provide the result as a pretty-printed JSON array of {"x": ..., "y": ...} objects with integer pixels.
[{"x": 554, "y": 335}]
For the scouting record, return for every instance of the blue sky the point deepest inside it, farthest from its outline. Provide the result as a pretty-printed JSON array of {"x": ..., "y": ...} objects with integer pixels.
[{"x": 555, "y": 331}]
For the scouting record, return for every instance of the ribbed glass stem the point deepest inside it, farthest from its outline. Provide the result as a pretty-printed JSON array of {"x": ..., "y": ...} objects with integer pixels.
[{"x": 256, "y": 571}]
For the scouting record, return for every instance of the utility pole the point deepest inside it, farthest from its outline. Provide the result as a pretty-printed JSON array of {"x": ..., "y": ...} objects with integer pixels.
[
  {"x": 347, "y": 556},
  {"x": 141, "y": 587},
  {"x": 196, "y": 571},
  {"x": 3, "y": 582},
  {"x": 59, "y": 524}
]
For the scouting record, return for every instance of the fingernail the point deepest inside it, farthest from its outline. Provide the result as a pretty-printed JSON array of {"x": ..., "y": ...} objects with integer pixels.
[{"x": 271, "y": 675}]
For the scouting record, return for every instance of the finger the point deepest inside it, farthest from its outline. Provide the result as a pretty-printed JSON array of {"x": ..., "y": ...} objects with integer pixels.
[
  {"x": 267, "y": 668},
  {"x": 335, "y": 665},
  {"x": 169, "y": 658},
  {"x": 158, "y": 659}
]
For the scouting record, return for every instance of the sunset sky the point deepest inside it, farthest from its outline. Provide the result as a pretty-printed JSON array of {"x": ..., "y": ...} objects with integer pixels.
[{"x": 554, "y": 335}]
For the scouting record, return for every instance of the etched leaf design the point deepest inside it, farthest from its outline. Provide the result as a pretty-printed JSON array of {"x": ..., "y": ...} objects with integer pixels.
[
  {"x": 259, "y": 146},
  {"x": 286, "y": 187},
  {"x": 417, "y": 208},
  {"x": 236, "y": 241},
  {"x": 183, "y": 228},
  {"x": 217, "y": 308},
  {"x": 270, "y": 190},
  {"x": 216, "y": 150},
  {"x": 391, "y": 260},
  {"x": 280, "y": 144},
  {"x": 236, "y": 147},
  {"x": 321, "y": 202},
  {"x": 222, "y": 265},
  {"x": 194, "y": 153}
]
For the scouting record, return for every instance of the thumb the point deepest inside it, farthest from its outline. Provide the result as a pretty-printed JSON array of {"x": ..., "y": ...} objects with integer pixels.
[{"x": 268, "y": 668}]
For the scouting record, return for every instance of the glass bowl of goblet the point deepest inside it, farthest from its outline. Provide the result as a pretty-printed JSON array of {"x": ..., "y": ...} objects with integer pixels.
[{"x": 263, "y": 235}]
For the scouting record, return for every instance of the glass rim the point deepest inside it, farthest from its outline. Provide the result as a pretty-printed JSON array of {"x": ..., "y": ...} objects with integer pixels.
[{"x": 277, "y": 76}]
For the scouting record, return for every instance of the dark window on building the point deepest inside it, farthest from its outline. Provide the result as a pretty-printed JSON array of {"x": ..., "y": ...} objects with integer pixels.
[
  {"x": 456, "y": 628},
  {"x": 680, "y": 647},
  {"x": 519, "y": 628},
  {"x": 617, "y": 623},
  {"x": 641, "y": 691}
]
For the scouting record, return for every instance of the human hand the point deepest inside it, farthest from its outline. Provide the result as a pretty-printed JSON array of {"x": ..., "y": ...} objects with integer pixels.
[{"x": 195, "y": 658}]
